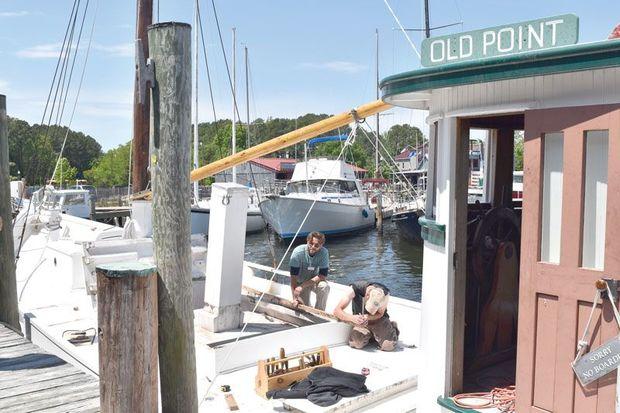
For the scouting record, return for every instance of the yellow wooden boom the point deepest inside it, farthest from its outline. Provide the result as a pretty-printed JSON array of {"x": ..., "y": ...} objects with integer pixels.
[{"x": 289, "y": 139}]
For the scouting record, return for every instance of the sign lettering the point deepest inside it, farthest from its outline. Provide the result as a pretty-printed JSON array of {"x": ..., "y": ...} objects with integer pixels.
[
  {"x": 495, "y": 41},
  {"x": 598, "y": 362}
]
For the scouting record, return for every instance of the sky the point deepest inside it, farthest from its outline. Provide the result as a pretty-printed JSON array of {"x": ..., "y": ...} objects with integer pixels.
[{"x": 305, "y": 55}]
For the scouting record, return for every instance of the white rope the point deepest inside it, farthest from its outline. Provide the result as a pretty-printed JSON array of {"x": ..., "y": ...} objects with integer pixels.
[
  {"x": 583, "y": 344},
  {"x": 348, "y": 142},
  {"x": 402, "y": 29}
]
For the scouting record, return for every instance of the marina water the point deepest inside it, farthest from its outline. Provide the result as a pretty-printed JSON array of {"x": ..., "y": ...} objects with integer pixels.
[{"x": 386, "y": 258}]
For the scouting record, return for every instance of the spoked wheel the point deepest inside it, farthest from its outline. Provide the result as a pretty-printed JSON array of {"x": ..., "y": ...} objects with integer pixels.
[{"x": 498, "y": 225}]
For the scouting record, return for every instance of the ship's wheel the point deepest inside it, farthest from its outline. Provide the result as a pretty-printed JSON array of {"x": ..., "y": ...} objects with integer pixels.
[{"x": 497, "y": 226}]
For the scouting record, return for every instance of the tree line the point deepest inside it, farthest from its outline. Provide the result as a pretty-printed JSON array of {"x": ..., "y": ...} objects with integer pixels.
[{"x": 33, "y": 149}]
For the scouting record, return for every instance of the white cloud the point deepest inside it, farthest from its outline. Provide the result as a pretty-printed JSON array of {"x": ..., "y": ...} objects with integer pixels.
[
  {"x": 13, "y": 13},
  {"x": 52, "y": 50},
  {"x": 336, "y": 66},
  {"x": 4, "y": 85},
  {"x": 119, "y": 50},
  {"x": 42, "y": 51}
]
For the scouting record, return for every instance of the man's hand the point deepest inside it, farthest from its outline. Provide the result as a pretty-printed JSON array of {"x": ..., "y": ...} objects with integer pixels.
[
  {"x": 360, "y": 320},
  {"x": 296, "y": 296}
]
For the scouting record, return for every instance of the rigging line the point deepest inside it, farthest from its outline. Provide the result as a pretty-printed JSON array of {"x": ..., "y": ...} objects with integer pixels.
[
  {"x": 402, "y": 29},
  {"x": 204, "y": 50},
  {"x": 79, "y": 89},
  {"x": 219, "y": 32},
  {"x": 56, "y": 82},
  {"x": 57, "y": 65},
  {"x": 408, "y": 185},
  {"x": 66, "y": 93},
  {"x": 63, "y": 71},
  {"x": 353, "y": 132}
]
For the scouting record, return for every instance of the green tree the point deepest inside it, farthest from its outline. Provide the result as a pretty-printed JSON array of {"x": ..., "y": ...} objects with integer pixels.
[
  {"x": 112, "y": 169},
  {"x": 65, "y": 173},
  {"x": 398, "y": 137},
  {"x": 518, "y": 156}
]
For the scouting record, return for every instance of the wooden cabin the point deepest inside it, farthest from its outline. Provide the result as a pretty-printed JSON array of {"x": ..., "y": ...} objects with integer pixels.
[{"x": 508, "y": 288}]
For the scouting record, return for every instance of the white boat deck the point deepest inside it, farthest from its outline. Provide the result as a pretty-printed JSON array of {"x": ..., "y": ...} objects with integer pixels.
[{"x": 393, "y": 373}]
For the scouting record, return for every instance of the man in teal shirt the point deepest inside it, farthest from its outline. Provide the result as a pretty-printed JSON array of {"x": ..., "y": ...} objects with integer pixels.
[{"x": 309, "y": 266}]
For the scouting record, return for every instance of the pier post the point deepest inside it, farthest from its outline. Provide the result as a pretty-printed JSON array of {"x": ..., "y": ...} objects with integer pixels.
[
  {"x": 224, "y": 273},
  {"x": 9, "y": 313},
  {"x": 379, "y": 211},
  {"x": 127, "y": 315},
  {"x": 170, "y": 49}
]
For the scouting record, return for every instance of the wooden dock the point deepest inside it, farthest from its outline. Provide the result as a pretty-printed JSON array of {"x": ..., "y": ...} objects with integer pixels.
[{"x": 33, "y": 380}]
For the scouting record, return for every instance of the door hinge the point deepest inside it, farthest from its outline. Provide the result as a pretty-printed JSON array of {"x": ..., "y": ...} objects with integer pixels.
[{"x": 454, "y": 260}]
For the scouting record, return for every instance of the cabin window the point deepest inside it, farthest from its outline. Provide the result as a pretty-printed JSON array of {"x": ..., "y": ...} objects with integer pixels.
[
  {"x": 553, "y": 174},
  {"x": 595, "y": 199},
  {"x": 74, "y": 199},
  {"x": 314, "y": 185}
]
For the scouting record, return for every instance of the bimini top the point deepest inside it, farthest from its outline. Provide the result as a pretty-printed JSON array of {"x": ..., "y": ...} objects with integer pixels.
[{"x": 565, "y": 59}]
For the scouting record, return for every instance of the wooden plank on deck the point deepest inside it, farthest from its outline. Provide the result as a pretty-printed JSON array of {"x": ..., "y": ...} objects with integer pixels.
[{"x": 33, "y": 380}]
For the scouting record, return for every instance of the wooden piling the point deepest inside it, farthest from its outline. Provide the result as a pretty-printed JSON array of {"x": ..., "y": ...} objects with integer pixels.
[
  {"x": 169, "y": 45},
  {"x": 127, "y": 314},
  {"x": 9, "y": 313},
  {"x": 379, "y": 211}
]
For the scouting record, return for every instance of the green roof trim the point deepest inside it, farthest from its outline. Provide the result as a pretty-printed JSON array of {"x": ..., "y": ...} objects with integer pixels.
[{"x": 566, "y": 59}]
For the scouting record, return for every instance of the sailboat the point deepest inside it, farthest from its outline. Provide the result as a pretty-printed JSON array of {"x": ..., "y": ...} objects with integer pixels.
[{"x": 201, "y": 209}]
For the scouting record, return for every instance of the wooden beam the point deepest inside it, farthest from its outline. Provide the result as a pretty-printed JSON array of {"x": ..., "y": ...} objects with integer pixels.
[
  {"x": 289, "y": 139},
  {"x": 170, "y": 48},
  {"x": 505, "y": 148},
  {"x": 141, "y": 110},
  {"x": 9, "y": 313},
  {"x": 460, "y": 257},
  {"x": 127, "y": 320}
]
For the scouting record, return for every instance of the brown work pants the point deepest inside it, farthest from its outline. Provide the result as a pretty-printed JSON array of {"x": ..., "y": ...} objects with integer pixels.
[{"x": 383, "y": 331}]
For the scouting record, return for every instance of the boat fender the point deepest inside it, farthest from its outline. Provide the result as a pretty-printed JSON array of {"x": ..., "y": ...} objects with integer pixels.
[{"x": 365, "y": 213}]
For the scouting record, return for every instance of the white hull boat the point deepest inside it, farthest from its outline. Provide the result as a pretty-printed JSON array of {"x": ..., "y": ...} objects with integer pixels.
[{"x": 332, "y": 194}]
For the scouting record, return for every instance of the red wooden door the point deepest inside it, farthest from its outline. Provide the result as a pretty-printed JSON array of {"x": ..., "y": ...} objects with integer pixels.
[{"x": 569, "y": 152}]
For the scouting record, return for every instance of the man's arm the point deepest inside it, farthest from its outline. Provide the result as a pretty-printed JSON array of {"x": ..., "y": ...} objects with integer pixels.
[{"x": 350, "y": 318}]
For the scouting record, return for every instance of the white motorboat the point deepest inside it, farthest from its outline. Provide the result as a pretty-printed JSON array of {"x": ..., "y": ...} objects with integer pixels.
[{"x": 340, "y": 205}]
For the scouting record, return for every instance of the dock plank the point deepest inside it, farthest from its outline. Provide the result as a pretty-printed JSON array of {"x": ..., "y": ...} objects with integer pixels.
[{"x": 33, "y": 380}]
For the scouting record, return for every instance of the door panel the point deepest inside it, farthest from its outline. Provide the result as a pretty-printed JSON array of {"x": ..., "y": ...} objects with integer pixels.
[{"x": 555, "y": 298}]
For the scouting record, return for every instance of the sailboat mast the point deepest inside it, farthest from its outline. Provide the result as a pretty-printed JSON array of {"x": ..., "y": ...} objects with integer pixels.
[
  {"x": 377, "y": 173},
  {"x": 247, "y": 100},
  {"x": 427, "y": 20},
  {"x": 234, "y": 101},
  {"x": 196, "y": 195},
  {"x": 141, "y": 110}
]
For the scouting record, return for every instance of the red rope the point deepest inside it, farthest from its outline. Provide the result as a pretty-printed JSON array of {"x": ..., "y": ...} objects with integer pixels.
[{"x": 503, "y": 398}]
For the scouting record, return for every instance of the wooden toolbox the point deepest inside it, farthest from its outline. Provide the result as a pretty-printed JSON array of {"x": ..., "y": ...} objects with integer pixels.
[{"x": 276, "y": 374}]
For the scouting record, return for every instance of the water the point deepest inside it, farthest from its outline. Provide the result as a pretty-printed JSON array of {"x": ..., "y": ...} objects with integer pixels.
[{"x": 388, "y": 259}]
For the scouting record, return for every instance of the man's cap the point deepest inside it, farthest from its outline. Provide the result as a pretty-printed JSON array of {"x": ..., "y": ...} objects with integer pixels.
[{"x": 376, "y": 299}]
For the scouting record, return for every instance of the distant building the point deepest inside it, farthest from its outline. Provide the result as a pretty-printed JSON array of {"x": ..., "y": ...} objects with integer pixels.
[{"x": 265, "y": 170}]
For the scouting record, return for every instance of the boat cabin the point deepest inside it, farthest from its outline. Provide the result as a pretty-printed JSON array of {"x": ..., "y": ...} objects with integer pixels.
[{"x": 508, "y": 287}]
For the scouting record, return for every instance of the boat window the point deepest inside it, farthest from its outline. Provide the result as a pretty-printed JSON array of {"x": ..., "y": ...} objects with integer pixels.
[
  {"x": 314, "y": 185},
  {"x": 74, "y": 199},
  {"x": 595, "y": 199},
  {"x": 553, "y": 174}
]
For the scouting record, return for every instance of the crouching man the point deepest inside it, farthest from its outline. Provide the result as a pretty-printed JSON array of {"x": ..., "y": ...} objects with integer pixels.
[
  {"x": 370, "y": 318},
  {"x": 309, "y": 267}
]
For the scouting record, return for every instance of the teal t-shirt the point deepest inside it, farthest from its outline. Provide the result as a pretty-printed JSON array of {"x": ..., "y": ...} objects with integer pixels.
[{"x": 309, "y": 266}]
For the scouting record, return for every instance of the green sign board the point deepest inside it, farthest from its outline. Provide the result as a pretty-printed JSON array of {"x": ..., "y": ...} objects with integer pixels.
[{"x": 501, "y": 40}]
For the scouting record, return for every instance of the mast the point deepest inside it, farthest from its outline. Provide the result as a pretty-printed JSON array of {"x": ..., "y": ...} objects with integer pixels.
[
  {"x": 234, "y": 101},
  {"x": 141, "y": 110},
  {"x": 377, "y": 173},
  {"x": 247, "y": 100},
  {"x": 427, "y": 24},
  {"x": 196, "y": 196}
]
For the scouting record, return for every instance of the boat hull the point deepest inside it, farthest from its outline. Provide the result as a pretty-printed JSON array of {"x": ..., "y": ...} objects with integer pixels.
[
  {"x": 200, "y": 221},
  {"x": 285, "y": 215},
  {"x": 408, "y": 225}
]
